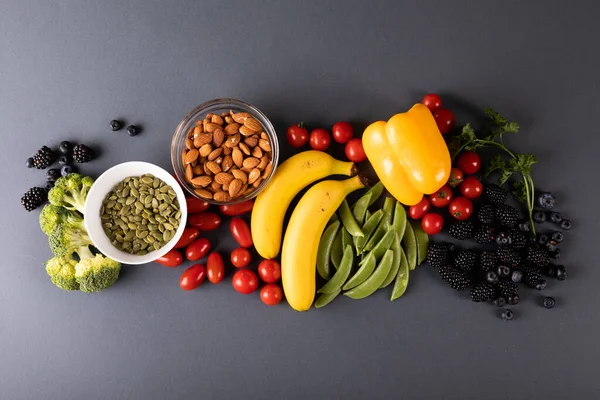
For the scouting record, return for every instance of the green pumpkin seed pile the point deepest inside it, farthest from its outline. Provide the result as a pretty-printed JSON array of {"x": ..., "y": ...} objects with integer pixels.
[{"x": 141, "y": 214}]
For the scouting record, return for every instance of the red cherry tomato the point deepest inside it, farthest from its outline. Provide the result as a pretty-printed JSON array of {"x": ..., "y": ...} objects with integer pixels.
[
  {"x": 320, "y": 139},
  {"x": 271, "y": 294},
  {"x": 421, "y": 208},
  {"x": 297, "y": 135},
  {"x": 469, "y": 162},
  {"x": 205, "y": 221},
  {"x": 192, "y": 277},
  {"x": 245, "y": 281},
  {"x": 432, "y": 101},
  {"x": 195, "y": 205},
  {"x": 240, "y": 257},
  {"x": 172, "y": 259},
  {"x": 444, "y": 119},
  {"x": 342, "y": 132},
  {"x": 432, "y": 223},
  {"x": 269, "y": 271},
  {"x": 188, "y": 236},
  {"x": 215, "y": 269},
  {"x": 354, "y": 150},
  {"x": 456, "y": 177},
  {"x": 233, "y": 210},
  {"x": 197, "y": 249},
  {"x": 461, "y": 208},
  {"x": 471, "y": 188},
  {"x": 241, "y": 232},
  {"x": 442, "y": 197}
]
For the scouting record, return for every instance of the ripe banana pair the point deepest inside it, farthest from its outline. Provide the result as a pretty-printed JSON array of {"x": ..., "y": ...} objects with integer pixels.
[{"x": 308, "y": 220}]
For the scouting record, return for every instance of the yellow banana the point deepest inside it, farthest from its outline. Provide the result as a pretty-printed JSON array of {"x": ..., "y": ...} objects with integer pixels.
[
  {"x": 289, "y": 179},
  {"x": 301, "y": 242}
]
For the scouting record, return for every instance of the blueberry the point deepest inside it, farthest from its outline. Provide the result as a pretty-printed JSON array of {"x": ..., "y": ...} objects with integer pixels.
[
  {"x": 541, "y": 284},
  {"x": 539, "y": 217},
  {"x": 116, "y": 125},
  {"x": 555, "y": 217},
  {"x": 546, "y": 200},
  {"x": 565, "y": 224},
  {"x": 500, "y": 301},
  {"x": 491, "y": 277},
  {"x": 49, "y": 185},
  {"x": 65, "y": 147},
  {"x": 66, "y": 170},
  {"x": 549, "y": 302},
  {"x": 503, "y": 271},
  {"x": 514, "y": 299},
  {"x": 542, "y": 239},
  {"x": 561, "y": 273},
  {"x": 525, "y": 226},
  {"x": 507, "y": 315},
  {"x": 503, "y": 239},
  {"x": 557, "y": 236},
  {"x": 516, "y": 276},
  {"x": 133, "y": 130},
  {"x": 555, "y": 255},
  {"x": 29, "y": 162},
  {"x": 52, "y": 174},
  {"x": 64, "y": 160},
  {"x": 551, "y": 246},
  {"x": 551, "y": 271}
]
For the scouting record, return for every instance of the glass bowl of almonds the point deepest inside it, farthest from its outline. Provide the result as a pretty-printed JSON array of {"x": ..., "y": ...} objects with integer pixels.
[{"x": 225, "y": 151}]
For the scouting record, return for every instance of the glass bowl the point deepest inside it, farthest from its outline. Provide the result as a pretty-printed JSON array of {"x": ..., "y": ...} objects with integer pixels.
[{"x": 219, "y": 106}]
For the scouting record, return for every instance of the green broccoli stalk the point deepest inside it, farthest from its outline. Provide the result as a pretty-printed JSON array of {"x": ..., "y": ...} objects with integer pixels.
[
  {"x": 97, "y": 273},
  {"x": 62, "y": 272},
  {"x": 52, "y": 216},
  {"x": 64, "y": 240},
  {"x": 70, "y": 192}
]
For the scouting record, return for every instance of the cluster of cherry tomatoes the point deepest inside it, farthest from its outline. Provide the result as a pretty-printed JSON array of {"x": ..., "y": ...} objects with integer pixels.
[
  {"x": 320, "y": 139},
  {"x": 195, "y": 248}
]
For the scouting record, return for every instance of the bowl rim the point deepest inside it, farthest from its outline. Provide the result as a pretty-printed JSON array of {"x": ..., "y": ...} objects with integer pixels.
[
  {"x": 105, "y": 182},
  {"x": 182, "y": 128}
]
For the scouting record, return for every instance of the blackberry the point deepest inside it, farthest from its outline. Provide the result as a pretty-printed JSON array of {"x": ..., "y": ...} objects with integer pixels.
[
  {"x": 519, "y": 240},
  {"x": 549, "y": 302},
  {"x": 485, "y": 234},
  {"x": 33, "y": 198},
  {"x": 531, "y": 278},
  {"x": 82, "y": 153},
  {"x": 545, "y": 200},
  {"x": 539, "y": 217},
  {"x": 507, "y": 288},
  {"x": 482, "y": 291},
  {"x": 509, "y": 257},
  {"x": 437, "y": 255},
  {"x": 565, "y": 224},
  {"x": 455, "y": 279},
  {"x": 465, "y": 260},
  {"x": 43, "y": 158},
  {"x": 507, "y": 315},
  {"x": 461, "y": 230},
  {"x": 507, "y": 215},
  {"x": 555, "y": 217},
  {"x": 486, "y": 214},
  {"x": 557, "y": 236},
  {"x": 495, "y": 194},
  {"x": 488, "y": 260},
  {"x": 537, "y": 257}
]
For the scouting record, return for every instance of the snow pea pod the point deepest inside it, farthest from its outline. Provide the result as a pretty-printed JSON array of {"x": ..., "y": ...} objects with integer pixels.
[
  {"x": 422, "y": 240},
  {"x": 346, "y": 238},
  {"x": 359, "y": 209},
  {"x": 388, "y": 209},
  {"x": 337, "y": 249},
  {"x": 401, "y": 282},
  {"x": 326, "y": 298},
  {"x": 348, "y": 220},
  {"x": 399, "y": 220},
  {"x": 397, "y": 249},
  {"x": 410, "y": 246},
  {"x": 375, "y": 191},
  {"x": 384, "y": 244},
  {"x": 340, "y": 276},
  {"x": 373, "y": 283},
  {"x": 324, "y": 252},
  {"x": 333, "y": 218},
  {"x": 368, "y": 229},
  {"x": 367, "y": 266}
]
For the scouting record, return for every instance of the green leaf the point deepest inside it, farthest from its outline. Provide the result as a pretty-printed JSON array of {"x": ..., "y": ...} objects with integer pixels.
[
  {"x": 519, "y": 191},
  {"x": 504, "y": 176},
  {"x": 468, "y": 133},
  {"x": 496, "y": 163},
  {"x": 523, "y": 163},
  {"x": 511, "y": 127},
  {"x": 495, "y": 116}
]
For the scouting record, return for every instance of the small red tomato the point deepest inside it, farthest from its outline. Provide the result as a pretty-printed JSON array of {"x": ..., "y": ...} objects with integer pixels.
[
  {"x": 342, "y": 132},
  {"x": 233, "y": 210},
  {"x": 197, "y": 249},
  {"x": 297, "y": 135},
  {"x": 205, "y": 221},
  {"x": 421, "y": 208},
  {"x": 245, "y": 281},
  {"x": 442, "y": 197},
  {"x": 241, "y": 232},
  {"x": 461, "y": 208},
  {"x": 471, "y": 188},
  {"x": 192, "y": 277},
  {"x": 271, "y": 294},
  {"x": 456, "y": 177},
  {"x": 215, "y": 269},
  {"x": 469, "y": 162},
  {"x": 195, "y": 205},
  {"x": 269, "y": 271},
  {"x": 240, "y": 257},
  {"x": 354, "y": 150},
  {"x": 320, "y": 139},
  {"x": 172, "y": 259},
  {"x": 444, "y": 119},
  {"x": 432, "y": 223},
  {"x": 432, "y": 101},
  {"x": 188, "y": 236}
]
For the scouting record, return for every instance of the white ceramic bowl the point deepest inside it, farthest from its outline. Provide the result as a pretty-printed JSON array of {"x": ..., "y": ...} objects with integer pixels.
[{"x": 104, "y": 184}]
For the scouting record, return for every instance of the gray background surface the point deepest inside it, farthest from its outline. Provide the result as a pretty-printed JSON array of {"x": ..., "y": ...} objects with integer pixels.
[{"x": 68, "y": 67}]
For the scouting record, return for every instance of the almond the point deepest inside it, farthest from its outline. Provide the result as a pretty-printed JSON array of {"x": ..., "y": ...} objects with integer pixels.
[
  {"x": 223, "y": 178},
  {"x": 183, "y": 154},
  {"x": 228, "y": 119},
  {"x": 232, "y": 129},
  {"x": 263, "y": 135},
  {"x": 233, "y": 140},
  {"x": 215, "y": 185},
  {"x": 238, "y": 157},
  {"x": 218, "y": 137},
  {"x": 263, "y": 162},
  {"x": 215, "y": 153},
  {"x": 198, "y": 170},
  {"x": 251, "y": 141},
  {"x": 191, "y": 156},
  {"x": 201, "y": 181},
  {"x": 216, "y": 119},
  {"x": 227, "y": 151},
  {"x": 210, "y": 127},
  {"x": 199, "y": 123},
  {"x": 218, "y": 160},
  {"x": 267, "y": 170},
  {"x": 239, "y": 175},
  {"x": 253, "y": 124},
  {"x": 257, "y": 152},
  {"x": 209, "y": 116},
  {"x": 234, "y": 188},
  {"x": 189, "y": 144},
  {"x": 253, "y": 175},
  {"x": 264, "y": 144},
  {"x": 213, "y": 167},
  {"x": 212, "y": 189},
  {"x": 227, "y": 163},
  {"x": 225, "y": 187},
  {"x": 202, "y": 139},
  {"x": 190, "y": 134},
  {"x": 244, "y": 130},
  {"x": 245, "y": 149},
  {"x": 247, "y": 191},
  {"x": 189, "y": 174},
  {"x": 206, "y": 170},
  {"x": 257, "y": 182},
  {"x": 225, "y": 114},
  {"x": 198, "y": 130},
  {"x": 204, "y": 193},
  {"x": 250, "y": 162},
  {"x": 222, "y": 196},
  {"x": 205, "y": 150},
  {"x": 239, "y": 117},
  {"x": 246, "y": 170},
  {"x": 206, "y": 121}
]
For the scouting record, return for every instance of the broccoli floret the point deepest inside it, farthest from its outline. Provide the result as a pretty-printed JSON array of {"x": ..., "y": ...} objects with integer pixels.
[
  {"x": 52, "y": 216},
  {"x": 64, "y": 240},
  {"x": 62, "y": 272},
  {"x": 97, "y": 273},
  {"x": 70, "y": 192}
]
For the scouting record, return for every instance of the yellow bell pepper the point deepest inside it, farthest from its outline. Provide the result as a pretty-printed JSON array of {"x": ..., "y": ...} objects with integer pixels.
[{"x": 408, "y": 154}]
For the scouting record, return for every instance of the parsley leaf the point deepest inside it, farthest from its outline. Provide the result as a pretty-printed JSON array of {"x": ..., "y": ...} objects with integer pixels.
[
  {"x": 519, "y": 191},
  {"x": 496, "y": 163}
]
